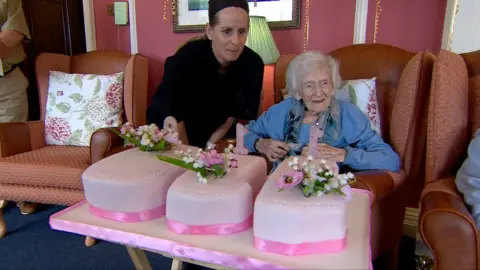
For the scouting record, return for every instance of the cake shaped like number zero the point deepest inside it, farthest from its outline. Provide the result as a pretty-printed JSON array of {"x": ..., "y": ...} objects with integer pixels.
[{"x": 216, "y": 196}]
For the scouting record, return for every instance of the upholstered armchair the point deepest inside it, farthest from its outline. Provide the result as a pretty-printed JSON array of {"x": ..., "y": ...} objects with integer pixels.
[
  {"x": 445, "y": 224},
  {"x": 402, "y": 83},
  {"x": 34, "y": 171}
]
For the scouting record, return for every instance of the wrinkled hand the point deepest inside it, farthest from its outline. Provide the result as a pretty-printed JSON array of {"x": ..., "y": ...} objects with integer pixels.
[
  {"x": 273, "y": 149},
  {"x": 326, "y": 151}
]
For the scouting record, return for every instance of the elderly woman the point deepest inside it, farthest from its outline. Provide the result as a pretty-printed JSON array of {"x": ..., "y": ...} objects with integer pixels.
[
  {"x": 468, "y": 178},
  {"x": 347, "y": 138}
]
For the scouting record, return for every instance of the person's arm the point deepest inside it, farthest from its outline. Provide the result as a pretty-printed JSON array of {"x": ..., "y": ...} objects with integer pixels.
[
  {"x": 246, "y": 104},
  {"x": 221, "y": 131},
  {"x": 171, "y": 97},
  {"x": 367, "y": 150},
  {"x": 14, "y": 30},
  {"x": 468, "y": 178}
]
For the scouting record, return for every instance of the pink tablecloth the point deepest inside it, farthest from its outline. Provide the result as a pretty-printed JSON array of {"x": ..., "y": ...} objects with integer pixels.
[{"x": 234, "y": 251}]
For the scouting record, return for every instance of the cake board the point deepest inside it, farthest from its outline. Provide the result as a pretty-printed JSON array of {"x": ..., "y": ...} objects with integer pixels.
[{"x": 219, "y": 252}]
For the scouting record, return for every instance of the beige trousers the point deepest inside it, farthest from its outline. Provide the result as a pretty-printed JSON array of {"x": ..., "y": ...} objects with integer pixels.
[{"x": 13, "y": 97}]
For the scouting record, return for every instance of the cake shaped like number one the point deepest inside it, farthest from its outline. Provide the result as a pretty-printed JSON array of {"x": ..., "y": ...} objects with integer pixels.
[{"x": 315, "y": 134}]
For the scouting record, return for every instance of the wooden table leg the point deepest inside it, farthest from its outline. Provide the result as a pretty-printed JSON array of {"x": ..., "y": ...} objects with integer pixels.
[
  {"x": 177, "y": 264},
  {"x": 139, "y": 258},
  {"x": 3, "y": 226}
]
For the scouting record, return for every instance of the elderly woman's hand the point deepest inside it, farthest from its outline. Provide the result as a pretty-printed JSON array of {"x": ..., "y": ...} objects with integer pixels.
[
  {"x": 326, "y": 151},
  {"x": 273, "y": 149}
]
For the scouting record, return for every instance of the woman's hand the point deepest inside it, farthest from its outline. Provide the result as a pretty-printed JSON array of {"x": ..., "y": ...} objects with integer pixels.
[
  {"x": 326, "y": 151},
  {"x": 273, "y": 149}
]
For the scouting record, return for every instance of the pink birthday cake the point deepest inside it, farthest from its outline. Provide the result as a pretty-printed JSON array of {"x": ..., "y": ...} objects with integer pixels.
[
  {"x": 217, "y": 203},
  {"x": 301, "y": 209},
  {"x": 130, "y": 186}
]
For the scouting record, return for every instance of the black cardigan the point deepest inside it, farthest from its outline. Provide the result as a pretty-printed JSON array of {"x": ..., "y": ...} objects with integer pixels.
[{"x": 195, "y": 91}]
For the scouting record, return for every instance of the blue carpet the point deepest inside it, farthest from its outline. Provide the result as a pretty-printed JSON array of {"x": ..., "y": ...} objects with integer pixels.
[{"x": 30, "y": 244}]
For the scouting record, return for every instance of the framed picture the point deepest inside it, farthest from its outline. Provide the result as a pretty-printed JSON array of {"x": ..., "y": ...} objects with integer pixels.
[{"x": 192, "y": 15}]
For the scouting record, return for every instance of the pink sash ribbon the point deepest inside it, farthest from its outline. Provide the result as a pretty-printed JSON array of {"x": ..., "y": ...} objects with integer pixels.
[
  {"x": 129, "y": 217},
  {"x": 214, "y": 229},
  {"x": 301, "y": 249}
]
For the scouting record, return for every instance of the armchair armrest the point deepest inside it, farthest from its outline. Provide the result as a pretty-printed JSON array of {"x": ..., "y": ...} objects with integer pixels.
[
  {"x": 447, "y": 226},
  {"x": 21, "y": 137},
  {"x": 380, "y": 183},
  {"x": 104, "y": 143}
]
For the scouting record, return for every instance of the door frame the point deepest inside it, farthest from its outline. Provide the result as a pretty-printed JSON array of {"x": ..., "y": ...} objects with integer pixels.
[
  {"x": 448, "y": 24},
  {"x": 90, "y": 31}
]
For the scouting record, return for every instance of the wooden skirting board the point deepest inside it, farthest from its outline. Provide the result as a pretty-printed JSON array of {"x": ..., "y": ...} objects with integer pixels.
[{"x": 410, "y": 223}]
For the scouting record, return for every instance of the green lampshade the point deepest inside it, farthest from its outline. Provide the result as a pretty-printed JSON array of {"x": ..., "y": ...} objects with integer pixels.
[{"x": 261, "y": 41}]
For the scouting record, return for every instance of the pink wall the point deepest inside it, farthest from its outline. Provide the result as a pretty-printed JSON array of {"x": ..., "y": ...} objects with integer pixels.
[
  {"x": 410, "y": 24},
  {"x": 110, "y": 36}
]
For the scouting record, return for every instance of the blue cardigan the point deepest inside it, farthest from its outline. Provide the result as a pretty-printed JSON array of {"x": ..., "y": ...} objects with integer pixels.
[
  {"x": 366, "y": 150},
  {"x": 468, "y": 178}
]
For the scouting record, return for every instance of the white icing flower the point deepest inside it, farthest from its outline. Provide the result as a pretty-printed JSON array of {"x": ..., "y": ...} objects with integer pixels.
[
  {"x": 327, "y": 187},
  {"x": 334, "y": 183},
  {"x": 310, "y": 158},
  {"x": 203, "y": 180},
  {"x": 323, "y": 161},
  {"x": 319, "y": 193},
  {"x": 295, "y": 159},
  {"x": 230, "y": 146},
  {"x": 343, "y": 182},
  {"x": 321, "y": 179},
  {"x": 350, "y": 175},
  {"x": 145, "y": 141},
  {"x": 295, "y": 167},
  {"x": 304, "y": 164}
]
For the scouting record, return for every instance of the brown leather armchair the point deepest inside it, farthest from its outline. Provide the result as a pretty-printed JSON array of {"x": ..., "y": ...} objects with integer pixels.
[
  {"x": 403, "y": 82},
  {"x": 35, "y": 172},
  {"x": 446, "y": 224}
]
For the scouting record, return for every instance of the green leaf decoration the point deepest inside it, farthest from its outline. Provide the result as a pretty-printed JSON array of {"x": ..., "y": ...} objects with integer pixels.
[
  {"x": 120, "y": 78},
  {"x": 51, "y": 99},
  {"x": 64, "y": 107},
  {"x": 352, "y": 95},
  {"x": 75, "y": 138},
  {"x": 76, "y": 97},
  {"x": 82, "y": 116},
  {"x": 97, "y": 87},
  {"x": 78, "y": 81},
  {"x": 91, "y": 76},
  {"x": 89, "y": 126},
  {"x": 177, "y": 162}
]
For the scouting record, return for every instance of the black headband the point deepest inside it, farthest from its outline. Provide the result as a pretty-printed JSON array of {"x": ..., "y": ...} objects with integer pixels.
[{"x": 214, "y": 6}]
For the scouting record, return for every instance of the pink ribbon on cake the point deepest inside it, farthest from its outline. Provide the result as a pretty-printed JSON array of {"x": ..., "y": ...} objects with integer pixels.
[
  {"x": 215, "y": 229},
  {"x": 129, "y": 217},
  {"x": 300, "y": 249}
]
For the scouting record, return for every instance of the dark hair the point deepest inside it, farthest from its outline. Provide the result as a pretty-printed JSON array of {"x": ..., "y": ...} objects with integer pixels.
[{"x": 214, "y": 6}]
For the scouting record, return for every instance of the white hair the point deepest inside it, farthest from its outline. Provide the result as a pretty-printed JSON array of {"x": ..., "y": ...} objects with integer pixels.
[{"x": 306, "y": 63}]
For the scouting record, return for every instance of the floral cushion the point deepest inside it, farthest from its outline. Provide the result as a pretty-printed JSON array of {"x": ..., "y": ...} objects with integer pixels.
[
  {"x": 79, "y": 104},
  {"x": 363, "y": 94}
]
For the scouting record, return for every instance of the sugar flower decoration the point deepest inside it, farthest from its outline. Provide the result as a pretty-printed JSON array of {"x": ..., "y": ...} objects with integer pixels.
[
  {"x": 204, "y": 162},
  {"x": 148, "y": 137},
  {"x": 315, "y": 180}
]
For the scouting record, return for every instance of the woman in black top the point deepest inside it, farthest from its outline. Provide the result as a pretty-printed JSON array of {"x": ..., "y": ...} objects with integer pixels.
[{"x": 211, "y": 82}]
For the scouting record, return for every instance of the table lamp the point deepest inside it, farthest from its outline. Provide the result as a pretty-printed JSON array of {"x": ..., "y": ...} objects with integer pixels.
[{"x": 261, "y": 41}]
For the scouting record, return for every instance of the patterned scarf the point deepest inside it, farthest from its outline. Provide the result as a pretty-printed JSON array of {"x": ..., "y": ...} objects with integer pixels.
[{"x": 326, "y": 121}]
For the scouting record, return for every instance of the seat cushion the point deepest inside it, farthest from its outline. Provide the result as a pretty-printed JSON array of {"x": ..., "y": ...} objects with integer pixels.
[{"x": 50, "y": 166}]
